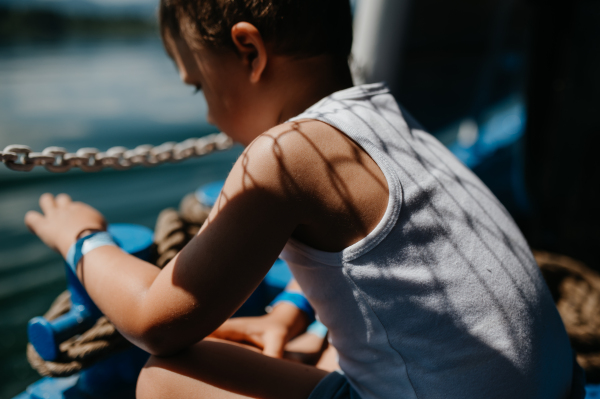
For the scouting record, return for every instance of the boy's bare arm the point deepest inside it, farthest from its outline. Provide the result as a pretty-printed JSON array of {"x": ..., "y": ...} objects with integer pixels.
[
  {"x": 300, "y": 178},
  {"x": 165, "y": 311}
]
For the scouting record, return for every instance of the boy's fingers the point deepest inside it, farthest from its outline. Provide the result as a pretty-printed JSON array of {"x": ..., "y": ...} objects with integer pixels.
[
  {"x": 219, "y": 333},
  {"x": 228, "y": 331},
  {"x": 32, "y": 219},
  {"x": 63, "y": 199},
  {"x": 235, "y": 330},
  {"x": 47, "y": 202},
  {"x": 273, "y": 345}
]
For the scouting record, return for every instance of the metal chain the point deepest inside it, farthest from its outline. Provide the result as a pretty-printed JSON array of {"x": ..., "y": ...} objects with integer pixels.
[{"x": 57, "y": 159}]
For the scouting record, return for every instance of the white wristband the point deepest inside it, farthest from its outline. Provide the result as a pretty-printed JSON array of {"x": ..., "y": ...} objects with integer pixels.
[{"x": 87, "y": 244}]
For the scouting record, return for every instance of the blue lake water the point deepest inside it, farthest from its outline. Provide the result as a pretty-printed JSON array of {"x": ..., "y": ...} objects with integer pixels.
[{"x": 92, "y": 93}]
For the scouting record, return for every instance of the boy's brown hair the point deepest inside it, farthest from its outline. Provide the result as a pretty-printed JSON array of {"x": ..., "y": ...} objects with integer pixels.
[{"x": 291, "y": 27}]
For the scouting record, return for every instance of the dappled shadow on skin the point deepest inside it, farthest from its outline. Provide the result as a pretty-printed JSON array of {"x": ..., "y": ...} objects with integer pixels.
[
  {"x": 354, "y": 226},
  {"x": 234, "y": 250},
  {"x": 330, "y": 166}
]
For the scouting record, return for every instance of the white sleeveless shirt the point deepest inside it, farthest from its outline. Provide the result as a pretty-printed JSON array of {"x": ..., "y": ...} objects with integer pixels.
[{"x": 443, "y": 299}]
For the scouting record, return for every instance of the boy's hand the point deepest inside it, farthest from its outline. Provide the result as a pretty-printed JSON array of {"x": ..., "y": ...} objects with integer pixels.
[
  {"x": 270, "y": 332},
  {"x": 260, "y": 331},
  {"x": 63, "y": 221}
]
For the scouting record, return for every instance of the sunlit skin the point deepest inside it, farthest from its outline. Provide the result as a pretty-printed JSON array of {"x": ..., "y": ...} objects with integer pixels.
[{"x": 304, "y": 180}]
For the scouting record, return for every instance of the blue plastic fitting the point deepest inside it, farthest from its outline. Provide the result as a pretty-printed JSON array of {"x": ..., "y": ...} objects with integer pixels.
[
  {"x": 45, "y": 336},
  {"x": 207, "y": 194}
]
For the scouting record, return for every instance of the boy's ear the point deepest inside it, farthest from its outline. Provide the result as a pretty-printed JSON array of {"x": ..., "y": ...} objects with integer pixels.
[{"x": 251, "y": 47}]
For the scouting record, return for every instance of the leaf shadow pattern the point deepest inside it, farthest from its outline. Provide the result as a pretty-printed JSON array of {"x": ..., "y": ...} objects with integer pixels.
[
  {"x": 455, "y": 291},
  {"x": 467, "y": 271}
]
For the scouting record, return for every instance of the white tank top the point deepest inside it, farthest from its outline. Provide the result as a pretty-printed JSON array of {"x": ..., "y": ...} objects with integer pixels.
[{"x": 443, "y": 299}]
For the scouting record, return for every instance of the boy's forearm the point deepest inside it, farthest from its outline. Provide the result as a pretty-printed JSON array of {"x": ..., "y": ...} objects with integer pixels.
[
  {"x": 147, "y": 305},
  {"x": 119, "y": 283},
  {"x": 127, "y": 290}
]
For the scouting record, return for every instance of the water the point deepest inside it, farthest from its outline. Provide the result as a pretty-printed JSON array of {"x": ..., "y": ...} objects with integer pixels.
[{"x": 92, "y": 93}]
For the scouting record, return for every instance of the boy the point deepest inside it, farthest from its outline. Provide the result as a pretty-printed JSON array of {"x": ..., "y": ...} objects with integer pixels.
[{"x": 427, "y": 287}]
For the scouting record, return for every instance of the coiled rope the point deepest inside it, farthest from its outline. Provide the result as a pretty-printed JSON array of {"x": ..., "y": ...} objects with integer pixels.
[
  {"x": 79, "y": 352},
  {"x": 575, "y": 289}
]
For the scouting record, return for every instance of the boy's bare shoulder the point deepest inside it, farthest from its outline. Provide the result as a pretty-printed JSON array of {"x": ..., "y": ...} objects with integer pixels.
[
  {"x": 298, "y": 132},
  {"x": 302, "y": 140},
  {"x": 319, "y": 177},
  {"x": 299, "y": 151},
  {"x": 292, "y": 156},
  {"x": 286, "y": 165},
  {"x": 311, "y": 158}
]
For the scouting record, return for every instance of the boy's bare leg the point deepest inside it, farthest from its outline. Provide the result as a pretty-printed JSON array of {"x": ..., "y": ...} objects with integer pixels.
[
  {"x": 219, "y": 369},
  {"x": 328, "y": 360},
  {"x": 306, "y": 348}
]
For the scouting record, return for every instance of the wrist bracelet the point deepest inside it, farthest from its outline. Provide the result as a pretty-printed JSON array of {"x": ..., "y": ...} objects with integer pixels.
[
  {"x": 85, "y": 245},
  {"x": 317, "y": 328},
  {"x": 296, "y": 299}
]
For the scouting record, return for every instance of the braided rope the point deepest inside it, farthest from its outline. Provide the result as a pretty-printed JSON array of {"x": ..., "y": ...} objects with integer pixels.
[
  {"x": 81, "y": 351},
  {"x": 576, "y": 292}
]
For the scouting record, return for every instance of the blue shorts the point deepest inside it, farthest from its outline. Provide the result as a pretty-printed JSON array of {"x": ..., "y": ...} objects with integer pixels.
[{"x": 334, "y": 386}]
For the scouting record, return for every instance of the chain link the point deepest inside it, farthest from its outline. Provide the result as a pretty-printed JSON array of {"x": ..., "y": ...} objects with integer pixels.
[{"x": 57, "y": 159}]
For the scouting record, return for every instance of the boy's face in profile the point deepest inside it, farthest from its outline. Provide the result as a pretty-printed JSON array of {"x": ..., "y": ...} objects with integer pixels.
[{"x": 234, "y": 102}]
